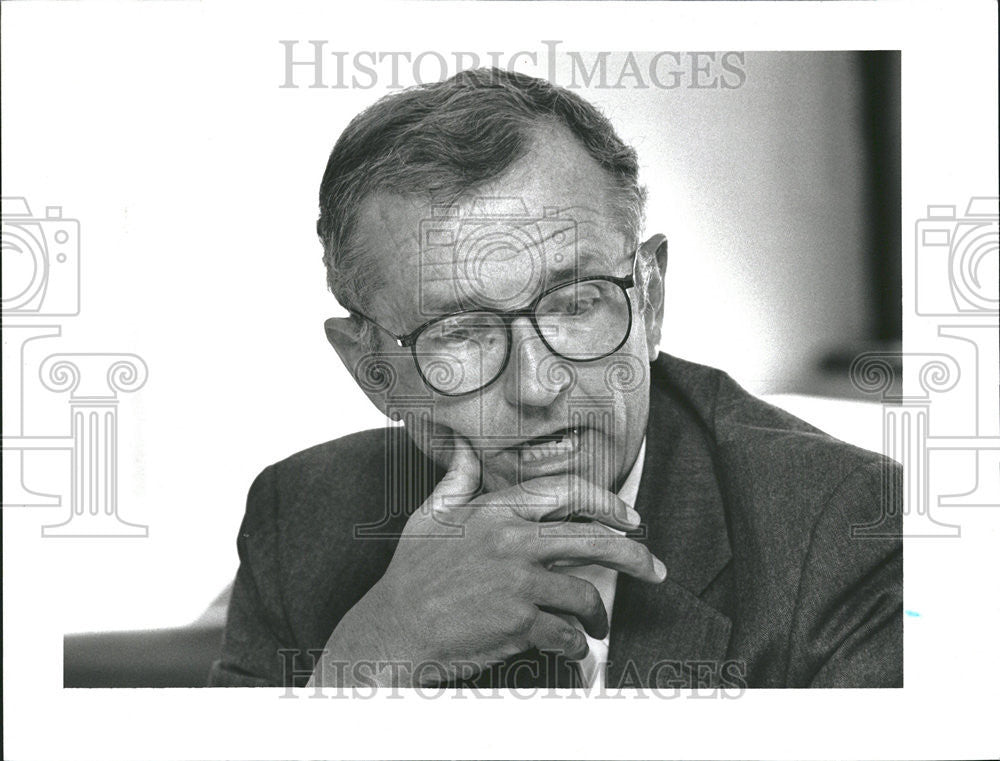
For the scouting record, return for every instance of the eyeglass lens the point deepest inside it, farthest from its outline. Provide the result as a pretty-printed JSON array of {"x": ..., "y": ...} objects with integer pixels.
[{"x": 580, "y": 321}]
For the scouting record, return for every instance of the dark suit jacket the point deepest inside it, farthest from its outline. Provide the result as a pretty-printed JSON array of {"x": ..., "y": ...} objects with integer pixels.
[{"x": 781, "y": 543}]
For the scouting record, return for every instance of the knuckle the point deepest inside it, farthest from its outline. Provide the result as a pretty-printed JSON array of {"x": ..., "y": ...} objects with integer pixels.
[
  {"x": 521, "y": 619},
  {"x": 522, "y": 581},
  {"x": 623, "y": 553},
  {"x": 609, "y": 546},
  {"x": 582, "y": 491},
  {"x": 505, "y": 539},
  {"x": 571, "y": 640}
]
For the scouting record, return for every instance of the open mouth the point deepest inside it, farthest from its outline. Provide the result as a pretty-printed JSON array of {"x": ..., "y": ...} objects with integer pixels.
[{"x": 558, "y": 444}]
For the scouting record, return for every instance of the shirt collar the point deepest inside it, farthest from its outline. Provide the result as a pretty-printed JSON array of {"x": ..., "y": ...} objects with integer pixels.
[{"x": 630, "y": 489}]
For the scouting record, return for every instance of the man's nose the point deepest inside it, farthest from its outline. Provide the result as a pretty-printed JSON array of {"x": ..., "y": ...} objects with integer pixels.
[{"x": 535, "y": 376}]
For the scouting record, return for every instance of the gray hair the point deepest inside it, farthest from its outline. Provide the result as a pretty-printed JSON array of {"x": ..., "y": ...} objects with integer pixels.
[{"x": 443, "y": 140}]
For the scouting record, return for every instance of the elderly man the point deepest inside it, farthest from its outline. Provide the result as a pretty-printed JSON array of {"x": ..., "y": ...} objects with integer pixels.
[{"x": 563, "y": 505}]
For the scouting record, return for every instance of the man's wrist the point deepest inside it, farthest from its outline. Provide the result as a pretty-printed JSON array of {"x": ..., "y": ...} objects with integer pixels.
[{"x": 356, "y": 654}]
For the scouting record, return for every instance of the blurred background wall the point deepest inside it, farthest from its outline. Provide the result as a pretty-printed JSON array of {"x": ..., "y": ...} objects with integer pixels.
[{"x": 780, "y": 199}]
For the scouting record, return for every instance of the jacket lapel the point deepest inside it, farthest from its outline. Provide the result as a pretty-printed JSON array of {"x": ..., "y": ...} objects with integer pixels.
[{"x": 658, "y": 632}]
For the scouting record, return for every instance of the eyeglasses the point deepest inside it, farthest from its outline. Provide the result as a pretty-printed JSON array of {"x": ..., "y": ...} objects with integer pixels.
[{"x": 583, "y": 320}]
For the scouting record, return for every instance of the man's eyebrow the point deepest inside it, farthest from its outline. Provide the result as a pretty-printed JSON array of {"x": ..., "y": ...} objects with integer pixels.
[
  {"x": 432, "y": 306},
  {"x": 439, "y": 304},
  {"x": 564, "y": 271}
]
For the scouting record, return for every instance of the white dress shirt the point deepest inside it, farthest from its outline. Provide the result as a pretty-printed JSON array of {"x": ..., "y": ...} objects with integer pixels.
[{"x": 594, "y": 664}]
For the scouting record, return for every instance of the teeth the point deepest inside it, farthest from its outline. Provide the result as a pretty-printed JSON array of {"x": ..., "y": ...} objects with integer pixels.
[{"x": 545, "y": 450}]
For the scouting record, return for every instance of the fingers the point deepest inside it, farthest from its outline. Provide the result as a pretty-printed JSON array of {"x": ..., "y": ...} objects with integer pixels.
[
  {"x": 568, "y": 594},
  {"x": 550, "y": 632},
  {"x": 558, "y": 497},
  {"x": 461, "y": 482},
  {"x": 593, "y": 544}
]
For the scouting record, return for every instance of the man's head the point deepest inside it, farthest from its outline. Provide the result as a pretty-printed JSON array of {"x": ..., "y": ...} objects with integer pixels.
[{"x": 480, "y": 195}]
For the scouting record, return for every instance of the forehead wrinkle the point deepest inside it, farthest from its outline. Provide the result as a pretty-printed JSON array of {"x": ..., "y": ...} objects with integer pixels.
[
  {"x": 599, "y": 226},
  {"x": 445, "y": 302},
  {"x": 591, "y": 250}
]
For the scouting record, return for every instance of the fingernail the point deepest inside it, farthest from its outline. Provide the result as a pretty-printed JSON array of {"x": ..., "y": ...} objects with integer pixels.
[
  {"x": 661, "y": 570},
  {"x": 632, "y": 517}
]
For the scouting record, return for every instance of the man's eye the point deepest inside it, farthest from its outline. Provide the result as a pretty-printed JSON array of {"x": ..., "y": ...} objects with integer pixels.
[
  {"x": 452, "y": 332},
  {"x": 577, "y": 302},
  {"x": 581, "y": 305},
  {"x": 451, "y": 335}
]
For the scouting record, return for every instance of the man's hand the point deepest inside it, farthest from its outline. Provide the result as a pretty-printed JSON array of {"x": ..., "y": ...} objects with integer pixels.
[{"x": 470, "y": 581}]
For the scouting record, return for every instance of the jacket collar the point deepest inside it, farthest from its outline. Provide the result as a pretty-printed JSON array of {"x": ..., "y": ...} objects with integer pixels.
[{"x": 684, "y": 524}]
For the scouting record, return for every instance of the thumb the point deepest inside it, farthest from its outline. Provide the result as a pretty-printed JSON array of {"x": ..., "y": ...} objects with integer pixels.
[{"x": 461, "y": 482}]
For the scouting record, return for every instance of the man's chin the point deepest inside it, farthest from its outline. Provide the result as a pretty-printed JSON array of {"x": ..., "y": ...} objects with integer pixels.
[{"x": 502, "y": 473}]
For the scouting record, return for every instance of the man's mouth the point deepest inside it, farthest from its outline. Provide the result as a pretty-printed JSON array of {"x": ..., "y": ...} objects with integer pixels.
[{"x": 551, "y": 446}]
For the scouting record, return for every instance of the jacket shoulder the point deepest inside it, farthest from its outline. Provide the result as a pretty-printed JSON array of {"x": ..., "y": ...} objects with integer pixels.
[
  {"x": 761, "y": 443},
  {"x": 329, "y": 473},
  {"x": 350, "y": 463},
  {"x": 785, "y": 484}
]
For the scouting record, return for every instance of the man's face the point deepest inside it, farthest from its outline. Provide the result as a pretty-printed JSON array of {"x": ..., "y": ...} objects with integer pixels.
[{"x": 544, "y": 415}]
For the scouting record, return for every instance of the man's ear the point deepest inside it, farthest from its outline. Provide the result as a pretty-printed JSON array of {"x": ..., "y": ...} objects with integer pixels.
[
  {"x": 346, "y": 336},
  {"x": 651, "y": 269}
]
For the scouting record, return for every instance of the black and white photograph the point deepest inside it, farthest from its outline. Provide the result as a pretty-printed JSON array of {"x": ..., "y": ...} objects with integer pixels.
[{"x": 492, "y": 371}]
